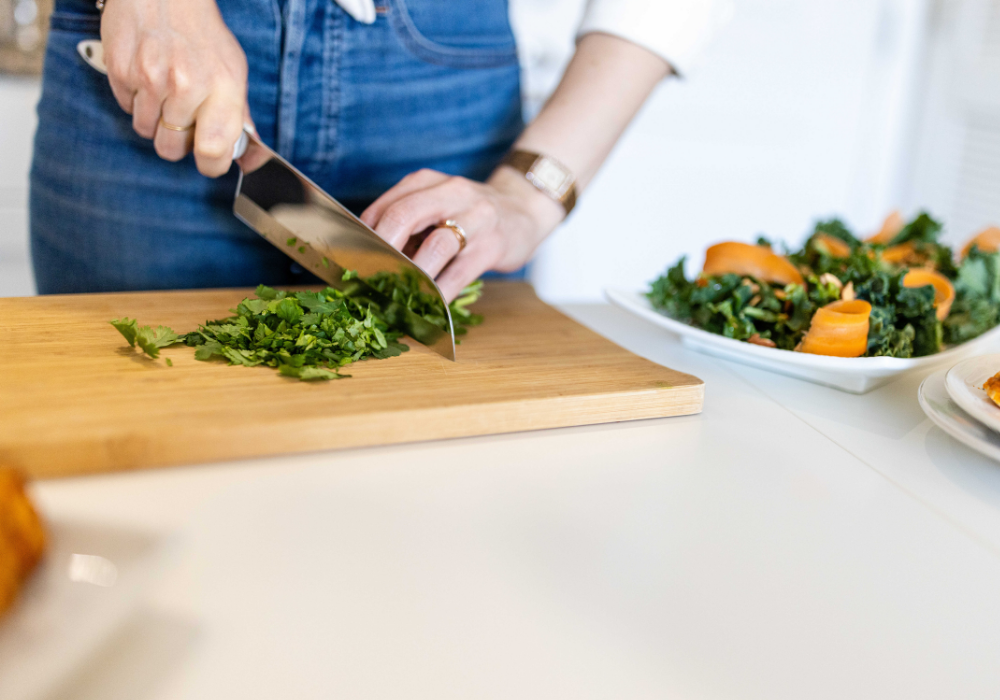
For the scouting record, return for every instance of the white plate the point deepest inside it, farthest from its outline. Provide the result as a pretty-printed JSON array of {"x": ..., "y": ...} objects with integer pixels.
[
  {"x": 946, "y": 414},
  {"x": 89, "y": 582},
  {"x": 965, "y": 386},
  {"x": 856, "y": 375}
]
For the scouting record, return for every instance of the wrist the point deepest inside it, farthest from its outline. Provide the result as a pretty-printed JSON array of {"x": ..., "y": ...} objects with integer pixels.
[{"x": 545, "y": 212}]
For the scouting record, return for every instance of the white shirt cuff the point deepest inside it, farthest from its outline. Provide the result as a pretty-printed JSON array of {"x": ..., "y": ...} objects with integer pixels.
[{"x": 676, "y": 30}]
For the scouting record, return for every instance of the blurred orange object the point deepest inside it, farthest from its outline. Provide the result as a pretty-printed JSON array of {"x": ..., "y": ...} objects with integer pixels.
[
  {"x": 832, "y": 246},
  {"x": 750, "y": 260},
  {"x": 891, "y": 227},
  {"x": 22, "y": 537},
  {"x": 992, "y": 388},
  {"x": 944, "y": 292},
  {"x": 987, "y": 241},
  {"x": 839, "y": 329},
  {"x": 902, "y": 254}
]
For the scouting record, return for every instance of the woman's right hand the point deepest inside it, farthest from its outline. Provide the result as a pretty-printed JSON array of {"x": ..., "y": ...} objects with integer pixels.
[{"x": 177, "y": 61}]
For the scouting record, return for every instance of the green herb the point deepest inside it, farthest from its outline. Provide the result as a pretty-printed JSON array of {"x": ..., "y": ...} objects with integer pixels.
[
  {"x": 170, "y": 363},
  {"x": 148, "y": 339},
  {"x": 903, "y": 322},
  {"x": 308, "y": 335}
]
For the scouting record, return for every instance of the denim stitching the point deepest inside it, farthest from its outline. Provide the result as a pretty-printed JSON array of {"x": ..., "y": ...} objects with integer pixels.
[
  {"x": 291, "y": 59},
  {"x": 459, "y": 57},
  {"x": 333, "y": 41}
]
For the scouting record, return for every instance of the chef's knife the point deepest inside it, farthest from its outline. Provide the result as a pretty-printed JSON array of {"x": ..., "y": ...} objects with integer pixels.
[
  {"x": 315, "y": 230},
  {"x": 325, "y": 238}
]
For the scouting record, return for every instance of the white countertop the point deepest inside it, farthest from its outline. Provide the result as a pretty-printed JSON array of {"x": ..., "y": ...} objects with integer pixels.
[{"x": 790, "y": 542}]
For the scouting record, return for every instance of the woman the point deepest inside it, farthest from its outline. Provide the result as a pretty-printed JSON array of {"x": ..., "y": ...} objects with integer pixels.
[{"x": 402, "y": 110}]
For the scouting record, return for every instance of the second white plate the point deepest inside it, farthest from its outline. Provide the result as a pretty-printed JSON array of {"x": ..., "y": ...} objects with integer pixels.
[
  {"x": 965, "y": 386},
  {"x": 856, "y": 375},
  {"x": 947, "y": 415}
]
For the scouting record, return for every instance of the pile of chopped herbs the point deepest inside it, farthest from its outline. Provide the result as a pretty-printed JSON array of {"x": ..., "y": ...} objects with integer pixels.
[
  {"x": 902, "y": 323},
  {"x": 309, "y": 335}
]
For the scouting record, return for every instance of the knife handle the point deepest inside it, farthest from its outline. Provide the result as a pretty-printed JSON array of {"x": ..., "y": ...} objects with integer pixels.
[{"x": 243, "y": 142}]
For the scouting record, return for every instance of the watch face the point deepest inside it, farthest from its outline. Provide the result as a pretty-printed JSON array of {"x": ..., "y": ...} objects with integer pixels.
[{"x": 551, "y": 175}]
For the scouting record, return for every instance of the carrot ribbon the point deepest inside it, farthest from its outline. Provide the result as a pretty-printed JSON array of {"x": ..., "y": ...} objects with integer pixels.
[
  {"x": 752, "y": 261},
  {"x": 839, "y": 329},
  {"x": 944, "y": 291}
]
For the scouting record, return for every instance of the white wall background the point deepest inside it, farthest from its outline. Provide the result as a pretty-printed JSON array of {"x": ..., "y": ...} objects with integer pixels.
[
  {"x": 957, "y": 154},
  {"x": 800, "y": 109},
  {"x": 17, "y": 125}
]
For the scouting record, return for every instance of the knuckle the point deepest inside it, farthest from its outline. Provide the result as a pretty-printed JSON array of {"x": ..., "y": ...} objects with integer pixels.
[
  {"x": 485, "y": 209},
  {"x": 179, "y": 81},
  {"x": 117, "y": 69},
  {"x": 151, "y": 75}
]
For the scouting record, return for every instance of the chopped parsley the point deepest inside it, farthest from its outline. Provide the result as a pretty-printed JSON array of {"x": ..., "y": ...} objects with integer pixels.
[{"x": 308, "y": 335}]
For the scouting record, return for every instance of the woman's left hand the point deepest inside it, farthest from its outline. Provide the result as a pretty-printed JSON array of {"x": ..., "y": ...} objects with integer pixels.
[{"x": 505, "y": 220}]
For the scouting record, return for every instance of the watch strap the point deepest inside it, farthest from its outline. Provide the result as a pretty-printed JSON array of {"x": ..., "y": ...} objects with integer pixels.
[{"x": 524, "y": 162}]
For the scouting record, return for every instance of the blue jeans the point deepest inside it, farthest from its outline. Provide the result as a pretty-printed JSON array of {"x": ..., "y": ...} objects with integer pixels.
[{"x": 355, "y": 106}]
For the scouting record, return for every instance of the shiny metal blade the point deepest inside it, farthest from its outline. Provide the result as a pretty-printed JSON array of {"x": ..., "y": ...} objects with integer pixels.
[{"x": 324, "y": 237}]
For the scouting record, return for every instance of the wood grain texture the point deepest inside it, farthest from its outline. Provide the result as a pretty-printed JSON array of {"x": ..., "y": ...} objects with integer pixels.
[{"x": 75, "y": 399}]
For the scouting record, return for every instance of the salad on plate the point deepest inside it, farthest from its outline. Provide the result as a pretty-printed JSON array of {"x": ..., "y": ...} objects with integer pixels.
[{"x": 900, "y": 293}]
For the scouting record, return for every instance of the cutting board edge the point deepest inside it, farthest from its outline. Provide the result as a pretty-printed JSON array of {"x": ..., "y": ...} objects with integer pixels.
[{"x": 313, "y": 435}]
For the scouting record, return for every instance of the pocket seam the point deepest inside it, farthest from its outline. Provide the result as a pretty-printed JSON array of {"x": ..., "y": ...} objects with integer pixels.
[
  {"x": 69, "y": 22},
  {"x": 432, "y": 51}
]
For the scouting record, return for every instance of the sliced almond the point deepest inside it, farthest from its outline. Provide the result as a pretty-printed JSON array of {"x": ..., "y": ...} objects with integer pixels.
[
  {"x": 755, "y": 339},
  {"x": 847, "y": 293},
  {"x": 828, "y": 278}
]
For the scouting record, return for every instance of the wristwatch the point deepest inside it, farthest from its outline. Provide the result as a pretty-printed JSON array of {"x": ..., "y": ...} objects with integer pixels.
[{"x": 547, "y": 174}]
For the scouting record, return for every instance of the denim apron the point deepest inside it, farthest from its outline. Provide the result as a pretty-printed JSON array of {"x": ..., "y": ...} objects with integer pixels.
[{"x": 432, "y": 83}]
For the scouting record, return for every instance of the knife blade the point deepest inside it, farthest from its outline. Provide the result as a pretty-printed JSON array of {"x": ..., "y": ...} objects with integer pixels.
[{"x": 296, "y": 216}]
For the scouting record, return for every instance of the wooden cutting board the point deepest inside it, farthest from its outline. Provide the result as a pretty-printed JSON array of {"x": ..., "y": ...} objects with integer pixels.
[{"x": 75, "y": 398}]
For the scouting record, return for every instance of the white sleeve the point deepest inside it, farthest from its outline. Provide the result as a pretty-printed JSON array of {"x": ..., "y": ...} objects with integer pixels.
[{"x": 677, "y": 30}]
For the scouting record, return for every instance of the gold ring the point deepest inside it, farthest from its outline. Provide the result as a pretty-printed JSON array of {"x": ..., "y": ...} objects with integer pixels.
[
  {"x": 459, "y": 233},
  {"x": 171, "y": 127}
]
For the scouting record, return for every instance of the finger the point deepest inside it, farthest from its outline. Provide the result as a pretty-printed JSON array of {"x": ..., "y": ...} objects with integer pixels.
[
  {"x": 415, "y": 212},
  {"x": 149, "y": 76},
  {"x": 178, "y": 111},
  {"x": 123, "y": 95},
  {"x": 171, "y": 144},
  {"x": 463, "y": 271},
  {"x": 118, "y": 60},
  {"x": 218, "y": 124},
  {"x": 437, "y": 251},
  {"x": 419, "y": 180},
  {"x": 146, "y": 110}
]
